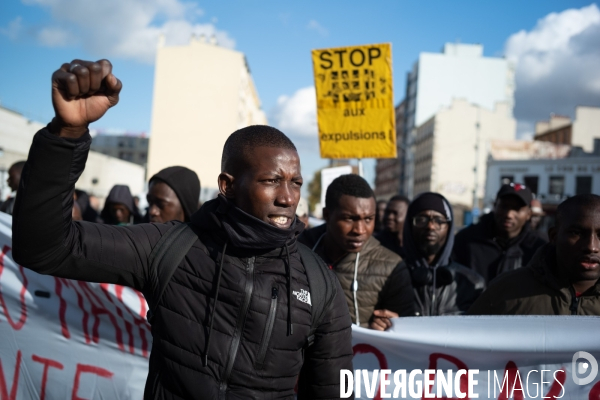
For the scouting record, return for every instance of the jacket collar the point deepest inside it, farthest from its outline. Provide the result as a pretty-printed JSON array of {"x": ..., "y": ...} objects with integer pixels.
[
  {"x": 221, "y": 218},
  {"x": 313, "y": 235},
  {"x": 487, "y": 232},
  {"x": 545, "y": 268}
]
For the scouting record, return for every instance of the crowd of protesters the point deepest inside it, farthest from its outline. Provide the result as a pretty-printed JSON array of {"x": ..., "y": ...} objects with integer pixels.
[
  {"x": 256, "y": 289},
  {"x": 389, "y": 268}
]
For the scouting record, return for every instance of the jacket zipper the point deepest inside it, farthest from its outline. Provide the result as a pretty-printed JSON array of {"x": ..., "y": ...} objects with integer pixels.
[
  {"x": 574, "y": 302},
  {"x": 239, "y": 327},
  {"x": 262, "y": 352}
]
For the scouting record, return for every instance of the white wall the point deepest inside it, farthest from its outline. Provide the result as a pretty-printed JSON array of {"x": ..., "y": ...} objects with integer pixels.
[
  {"x": 459, "y": 72},
  {"x": 586, "y": 127},
  {"x": 570, "y": 168},
  {"x": 16, "y": 135},
  {"x": 202, "y": 93},
  {"x": 480, "y": 80},
  {"x": 110, "y": 171},
  {"x": 455, "y": 135}
]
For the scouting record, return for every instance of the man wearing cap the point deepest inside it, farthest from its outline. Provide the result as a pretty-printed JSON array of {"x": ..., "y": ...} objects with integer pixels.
[
  {"x": 173, "y": 194},
  {"x": 563, "y": 277},
  {"x": 441, "y": 286},
  {"x": 502, "y": 240}
]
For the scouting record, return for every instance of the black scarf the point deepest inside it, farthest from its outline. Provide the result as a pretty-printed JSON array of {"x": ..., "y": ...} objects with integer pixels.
[{"x": 222, "y": 218}]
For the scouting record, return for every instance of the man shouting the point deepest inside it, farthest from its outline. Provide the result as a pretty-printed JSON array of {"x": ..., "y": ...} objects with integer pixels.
[{"x": 235, "y": 319}]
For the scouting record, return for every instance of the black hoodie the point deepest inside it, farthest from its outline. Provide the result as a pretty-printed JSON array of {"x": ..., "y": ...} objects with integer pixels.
[
  {"x": 237, "y": 275},
  {"x": 456, "y": 286},
  {"x": 120, "y": 194}
]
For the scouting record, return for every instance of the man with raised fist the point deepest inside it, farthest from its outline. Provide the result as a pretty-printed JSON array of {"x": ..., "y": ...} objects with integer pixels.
[{"x": 245, "y": 309}]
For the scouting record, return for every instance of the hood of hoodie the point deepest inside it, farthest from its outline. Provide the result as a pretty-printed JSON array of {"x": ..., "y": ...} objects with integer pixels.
[
  {"x": 412, "y": 256},
  {"x": 221, "y": 219},
  {"x": 186, "y": 185},
  {"x": 87, "y": 212},
  {"x": 119, "y": 194}
]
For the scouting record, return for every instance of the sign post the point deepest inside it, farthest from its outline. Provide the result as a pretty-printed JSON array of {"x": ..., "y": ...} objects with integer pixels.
[{"x": 355, "y": 104}]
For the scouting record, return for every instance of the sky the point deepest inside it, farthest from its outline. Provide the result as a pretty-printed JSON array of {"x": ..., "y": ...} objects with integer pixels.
[{"x": 554, "y": 44}]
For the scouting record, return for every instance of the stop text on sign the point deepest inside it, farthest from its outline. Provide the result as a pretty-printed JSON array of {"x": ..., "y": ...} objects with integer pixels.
[{"x": 355, "y": 100}]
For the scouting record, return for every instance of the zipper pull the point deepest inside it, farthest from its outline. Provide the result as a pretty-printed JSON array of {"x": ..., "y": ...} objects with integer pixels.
[{"x": 274, "y": 292}]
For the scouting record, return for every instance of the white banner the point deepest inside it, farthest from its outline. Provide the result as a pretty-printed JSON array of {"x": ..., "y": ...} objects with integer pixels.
[
  {"x": 520, "y": 357},
  {"x": 63, "y": 339}
]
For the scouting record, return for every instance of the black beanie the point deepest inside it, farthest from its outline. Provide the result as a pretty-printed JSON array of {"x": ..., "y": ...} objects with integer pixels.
[
  {"x": 185, "y": 184},
  {"x": 430, "y": 201}
]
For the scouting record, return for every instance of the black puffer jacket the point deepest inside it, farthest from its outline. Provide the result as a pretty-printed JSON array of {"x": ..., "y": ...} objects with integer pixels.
[
  {"x": 476, "y": 247},
  {"x": 457, "y": 288},
  {"x": 245, "y": 359}
]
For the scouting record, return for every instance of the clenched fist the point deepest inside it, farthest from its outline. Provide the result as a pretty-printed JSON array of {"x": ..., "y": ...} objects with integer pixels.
[{"x": 82, "y": 92}]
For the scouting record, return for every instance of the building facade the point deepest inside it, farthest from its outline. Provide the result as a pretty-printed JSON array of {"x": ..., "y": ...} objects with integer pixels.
[
  {"x": 583, "y": 132},
  {"x": 387, "y": 170},
  {"x": 132, "y": 148},
  {"x": 460, "y": 71},
  {"x": 552, "y": 180},
  {"x": 450, "y": 150},
  {"x": 202, "y": 93},
  {"x": 101, "y": 172}
]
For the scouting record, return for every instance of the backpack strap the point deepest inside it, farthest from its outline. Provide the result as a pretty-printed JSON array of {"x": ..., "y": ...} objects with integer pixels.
[
  {"x": 164, "y": 260},
  {"x": 322, "y": 288}
]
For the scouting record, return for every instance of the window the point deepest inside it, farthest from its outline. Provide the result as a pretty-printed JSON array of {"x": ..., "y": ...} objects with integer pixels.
[
  {"x": 583, "y": 185},
  {"x": 532, "y": 183},
  {"x": 506, "y": 179},
  {"x": 557, "y": 185}
]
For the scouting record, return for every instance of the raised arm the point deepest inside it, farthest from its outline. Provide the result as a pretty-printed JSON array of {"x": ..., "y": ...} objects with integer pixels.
[{"x": 45, "y": 239}]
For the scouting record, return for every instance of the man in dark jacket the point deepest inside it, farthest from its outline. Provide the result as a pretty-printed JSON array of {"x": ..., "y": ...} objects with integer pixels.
[
  {"x": 231, "y": 322},
  {"x": 119, "y": 207},
  {"x": 88, "y": 213},
  {"x": 442, "y": 287},
  {"x": 14, "y": 177},
  {"x": 173, "y": 194},
  {"x": 376, "y": 286},
  {"x": 502, "y": 240},
  {"x": 393, "y": 224},
  {"x": 563, "y": 277}
]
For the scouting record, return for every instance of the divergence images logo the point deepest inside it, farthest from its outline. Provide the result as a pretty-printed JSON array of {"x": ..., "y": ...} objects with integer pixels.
[{"x": 582, "y": 367}]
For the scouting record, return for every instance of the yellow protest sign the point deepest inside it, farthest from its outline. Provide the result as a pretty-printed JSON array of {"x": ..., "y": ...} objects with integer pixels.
[{"x": 355, "y": 101}]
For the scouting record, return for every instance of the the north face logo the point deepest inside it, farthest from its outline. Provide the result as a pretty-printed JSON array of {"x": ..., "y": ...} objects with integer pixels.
[{"x": 303, "y": 296}]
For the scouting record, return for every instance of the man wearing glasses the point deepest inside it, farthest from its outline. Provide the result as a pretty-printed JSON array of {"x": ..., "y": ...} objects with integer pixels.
[
  {"x": 441, "y": 287},
  {"x": 502, "y": 240}
]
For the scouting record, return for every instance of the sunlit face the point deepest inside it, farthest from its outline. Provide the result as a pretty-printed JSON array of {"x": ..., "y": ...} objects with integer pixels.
[
  {"x": 269, "y": 187},
  {"x": 163, "y": 203},
  {"x": 351, "y": 223}
]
